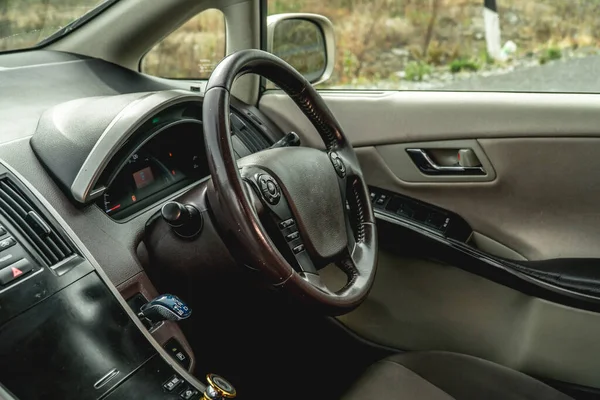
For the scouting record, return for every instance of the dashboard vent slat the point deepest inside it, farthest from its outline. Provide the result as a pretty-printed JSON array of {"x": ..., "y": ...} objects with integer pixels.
[
  {"x": 16, "y": 207},
  {"x": 251, "y": 137}
]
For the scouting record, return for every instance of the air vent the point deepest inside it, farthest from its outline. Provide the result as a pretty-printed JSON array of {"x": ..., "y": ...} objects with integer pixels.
[
  {"x": 24, "y": 216},
  {"x": 252, "y": 138}
]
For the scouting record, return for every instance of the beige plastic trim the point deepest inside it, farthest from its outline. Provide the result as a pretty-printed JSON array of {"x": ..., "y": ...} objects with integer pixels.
[
  {"x": 400, "y": 163},
  {"x": 490, "y": 246},
  {"x": 417, "y": 304},
  {"x": 127, "y": 30},
  {"x": 328, "y": 34},
  {"x": 243, "y": 32}
]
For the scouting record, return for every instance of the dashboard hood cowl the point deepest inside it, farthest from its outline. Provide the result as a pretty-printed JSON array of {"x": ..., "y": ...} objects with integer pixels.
[{"x": 77, "y": 139}]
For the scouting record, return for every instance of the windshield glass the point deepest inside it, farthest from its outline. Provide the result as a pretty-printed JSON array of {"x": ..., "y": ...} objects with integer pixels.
[{"x": 26, "y": 23}]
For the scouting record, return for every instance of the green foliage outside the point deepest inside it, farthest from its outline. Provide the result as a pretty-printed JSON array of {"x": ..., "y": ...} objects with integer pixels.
[
  {"x": 550, "y": 54},
  {"x": 416, "y": 70},
  {"x": 462, "y": 64}
]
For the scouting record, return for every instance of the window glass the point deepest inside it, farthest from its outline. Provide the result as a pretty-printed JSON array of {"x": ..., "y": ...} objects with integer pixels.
[
  {"x": 24, "y": 23},
  {"x": 190, "y": 52},
  {"x": 488, "y": 45}
]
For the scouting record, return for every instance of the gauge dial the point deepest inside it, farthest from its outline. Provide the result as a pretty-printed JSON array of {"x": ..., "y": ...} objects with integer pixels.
[
  {"x": 142, "y": 176},
  {"x": 173, "y": 158}
]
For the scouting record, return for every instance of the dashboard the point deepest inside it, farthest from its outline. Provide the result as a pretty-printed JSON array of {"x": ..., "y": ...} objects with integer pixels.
[
  {"x": 172, "y": 158},
  {"x": 129, "y": 142}
]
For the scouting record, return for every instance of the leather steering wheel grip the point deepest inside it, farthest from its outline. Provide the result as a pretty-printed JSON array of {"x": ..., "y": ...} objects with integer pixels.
[{"x": 233, "y": 201}]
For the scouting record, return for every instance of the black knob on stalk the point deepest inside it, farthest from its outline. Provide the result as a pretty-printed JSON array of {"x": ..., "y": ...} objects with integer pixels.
[{"x": 185, "y": 219}]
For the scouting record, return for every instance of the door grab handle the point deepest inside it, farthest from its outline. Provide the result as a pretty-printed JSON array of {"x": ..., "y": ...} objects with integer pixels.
[{"x": 429, "y": 167}]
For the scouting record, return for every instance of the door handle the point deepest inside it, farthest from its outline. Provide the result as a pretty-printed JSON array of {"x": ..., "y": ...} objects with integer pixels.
[{"x": 429, "y": 167}]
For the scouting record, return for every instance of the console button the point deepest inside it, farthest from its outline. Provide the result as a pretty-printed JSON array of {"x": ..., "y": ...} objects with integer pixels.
[
  {"x": 2, "y": 231},
  {"x": 188, "y": 393},
  {"x": 381, "y": 200},
  {"x": 172, "y": 383},
  {"x": 292, "y": 236},
  {"x": 176, "y": 350},
  {"x": 286, "y": 224},
  {"x": 15, "y": 271},
  {"x": 405, "y": 210},
  {"x": 11, "y": 255},
  {"x": 299, "y": 249},
  {"x": 6, "y": 243},
  {"x": 437, "y": 220}
]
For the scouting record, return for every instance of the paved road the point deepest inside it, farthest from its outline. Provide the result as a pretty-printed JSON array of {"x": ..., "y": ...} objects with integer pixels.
[{"x": 572, "y": 75}]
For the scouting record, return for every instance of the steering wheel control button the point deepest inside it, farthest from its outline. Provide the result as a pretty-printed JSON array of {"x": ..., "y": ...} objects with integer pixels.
[
  {"x": 299, "y": 249},
  {"x": 292, "y": 236},
  {"x": 286, "y": 224},
  {"x": 172, "y": 383},
  {"x": 15, "y": 271},
  {"x": 338, "y": 164},
  {"x": 218, "y": 388},
  {"x": 269, "y": 189}
]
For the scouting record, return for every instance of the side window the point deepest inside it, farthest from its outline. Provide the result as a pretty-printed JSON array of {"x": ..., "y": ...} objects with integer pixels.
[
  {"x": 190, "y": 52},
  {"x": 471, "y": 45}
]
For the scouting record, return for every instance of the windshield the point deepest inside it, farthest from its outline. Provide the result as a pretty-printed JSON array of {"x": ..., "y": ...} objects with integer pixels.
[{"x": 27, "y": 23}]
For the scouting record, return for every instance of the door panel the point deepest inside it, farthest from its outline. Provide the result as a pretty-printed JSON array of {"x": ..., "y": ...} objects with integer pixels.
[
  {"x": 542, "y": 151},
  {"x": 542, "y": 203}
]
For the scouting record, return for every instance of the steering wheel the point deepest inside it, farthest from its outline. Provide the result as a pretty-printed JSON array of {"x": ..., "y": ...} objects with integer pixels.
[{"x": 289, "y": 211}]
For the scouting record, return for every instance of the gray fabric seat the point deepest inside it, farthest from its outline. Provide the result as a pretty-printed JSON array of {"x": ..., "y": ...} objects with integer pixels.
[{"x": 446, "y": 376}]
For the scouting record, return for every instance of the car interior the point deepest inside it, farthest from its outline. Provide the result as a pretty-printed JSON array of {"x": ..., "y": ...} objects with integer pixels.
[{"x": 251, "y": 235}]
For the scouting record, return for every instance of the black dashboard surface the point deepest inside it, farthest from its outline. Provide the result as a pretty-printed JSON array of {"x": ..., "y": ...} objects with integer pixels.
[
  {"x": 31, "y": 82},
  {"x": 88, "y": 334}
]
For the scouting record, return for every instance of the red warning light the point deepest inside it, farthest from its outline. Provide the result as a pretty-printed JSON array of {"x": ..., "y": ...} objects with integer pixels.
[
  {"x": 172, "y": 172},
  {"x": 133, "y": 197},
  {"x": 170, "y": 154}
]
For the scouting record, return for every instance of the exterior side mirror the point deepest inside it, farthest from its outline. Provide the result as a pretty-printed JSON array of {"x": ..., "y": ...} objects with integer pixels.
[{"x": 305, "y": 41}]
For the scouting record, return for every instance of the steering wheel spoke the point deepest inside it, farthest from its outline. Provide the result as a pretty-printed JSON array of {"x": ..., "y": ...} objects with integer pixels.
[
  {"x": 278, "y": 219},
  {"x": 354, "y": 263},
  {"x": 315, "y": 280}
]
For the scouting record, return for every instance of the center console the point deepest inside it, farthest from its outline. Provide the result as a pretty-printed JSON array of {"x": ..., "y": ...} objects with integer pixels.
[{"x": 65, "y": 332}]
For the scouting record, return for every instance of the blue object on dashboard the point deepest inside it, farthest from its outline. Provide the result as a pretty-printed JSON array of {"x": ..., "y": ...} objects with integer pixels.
[{"x": 166, "y": 307}]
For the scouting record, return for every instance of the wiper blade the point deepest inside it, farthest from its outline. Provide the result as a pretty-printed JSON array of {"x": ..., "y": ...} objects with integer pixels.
[{"x": 77, "y": 23}]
